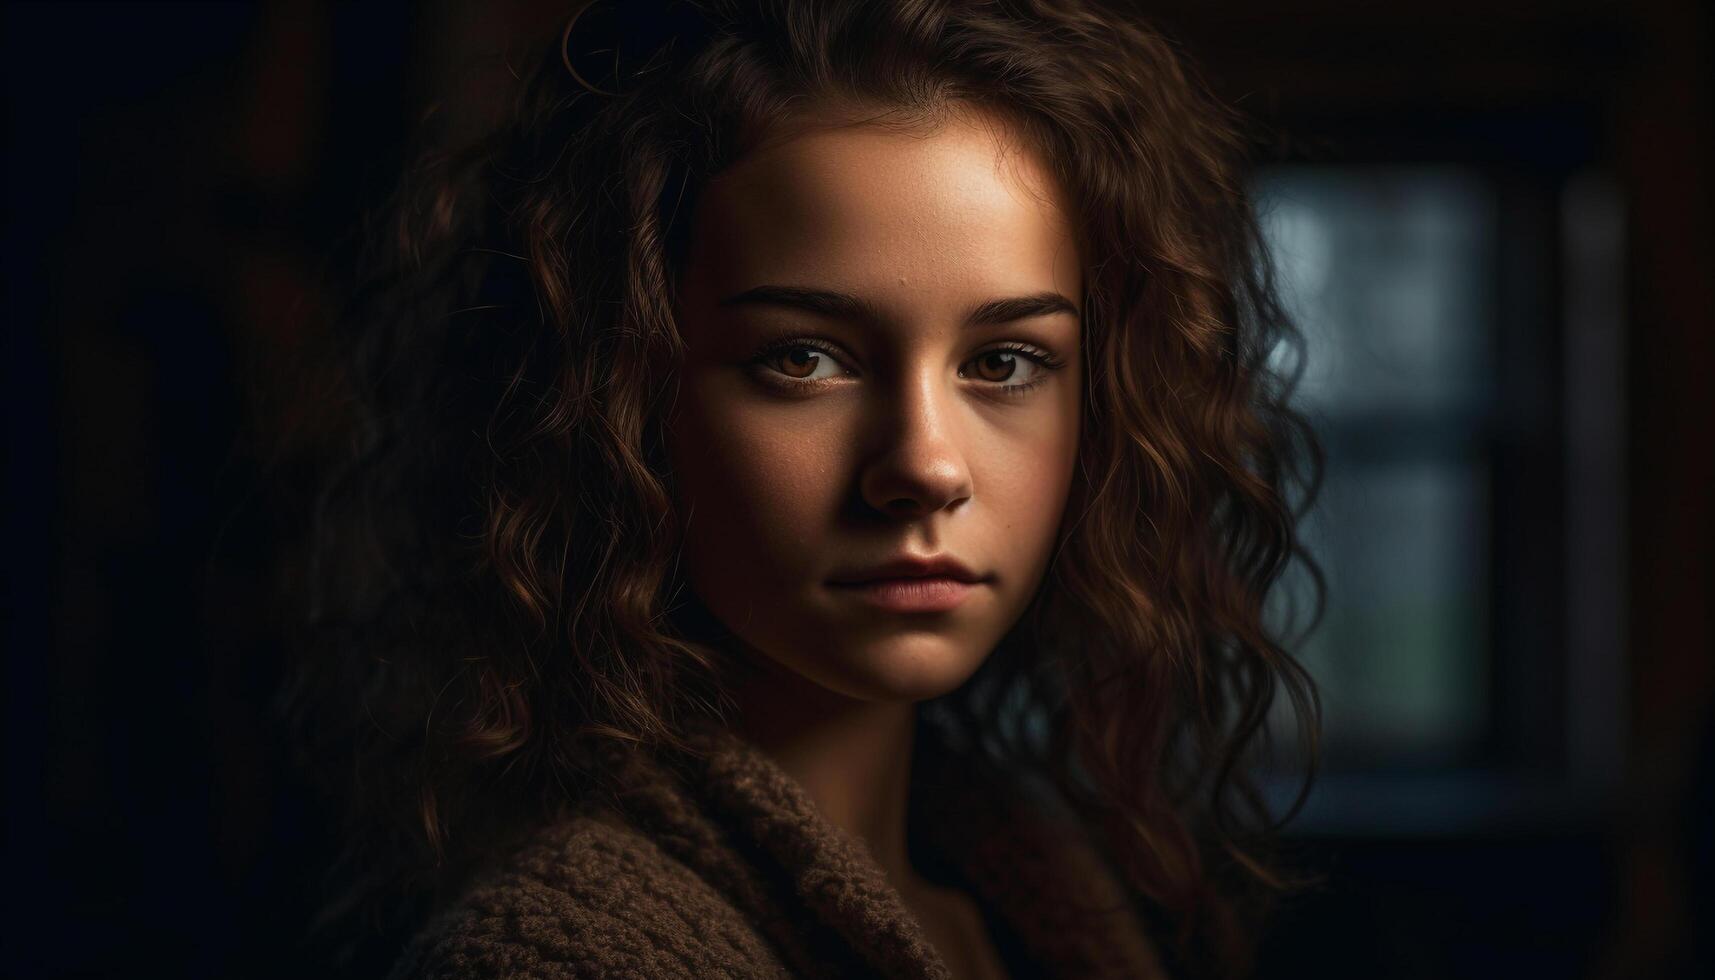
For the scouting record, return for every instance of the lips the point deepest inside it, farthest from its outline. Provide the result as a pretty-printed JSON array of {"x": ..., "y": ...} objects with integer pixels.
[
  {"x": 910, "y": 567},
  {"x": 911, "y": 584},
  {"x": 927, "y": 594}
]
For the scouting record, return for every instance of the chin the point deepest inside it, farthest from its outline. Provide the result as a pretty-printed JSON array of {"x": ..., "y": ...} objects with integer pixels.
[{"x": 916, "y": 666}]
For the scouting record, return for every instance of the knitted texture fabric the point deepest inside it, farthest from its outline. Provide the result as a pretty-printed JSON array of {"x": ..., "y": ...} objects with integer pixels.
[{"x": 718, "y": 864}]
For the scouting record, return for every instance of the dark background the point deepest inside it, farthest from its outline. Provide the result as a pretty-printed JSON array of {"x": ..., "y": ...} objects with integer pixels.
[{"x": 177, "y": 175}]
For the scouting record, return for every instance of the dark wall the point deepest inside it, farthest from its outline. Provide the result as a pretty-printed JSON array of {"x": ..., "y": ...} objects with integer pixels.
[
  {"x": 177, "y": 176},
  {"x": 174, "y": 175}
]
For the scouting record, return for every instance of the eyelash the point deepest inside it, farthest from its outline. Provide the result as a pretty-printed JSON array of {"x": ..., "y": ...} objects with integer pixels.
[{"x": 774, "y": 347}]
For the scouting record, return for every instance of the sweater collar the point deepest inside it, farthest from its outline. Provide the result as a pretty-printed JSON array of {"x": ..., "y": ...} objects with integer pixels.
[{"x": 730, "y": 811}]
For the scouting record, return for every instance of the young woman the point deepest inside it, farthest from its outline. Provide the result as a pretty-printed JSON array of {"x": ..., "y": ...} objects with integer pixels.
[{"x": 810, "y": 485}]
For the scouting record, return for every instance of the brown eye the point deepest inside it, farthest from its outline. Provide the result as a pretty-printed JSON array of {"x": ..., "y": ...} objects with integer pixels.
[
  {"x": 799, "y": 362},
  {"x": 997, "y": 365}
]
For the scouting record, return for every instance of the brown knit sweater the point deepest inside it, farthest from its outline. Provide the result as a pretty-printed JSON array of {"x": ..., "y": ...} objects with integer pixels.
[{"x": 718, "y": 864}]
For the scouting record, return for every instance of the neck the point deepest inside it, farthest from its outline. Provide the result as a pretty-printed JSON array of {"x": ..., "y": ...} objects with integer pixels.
[{"x": 853, "y": 758}]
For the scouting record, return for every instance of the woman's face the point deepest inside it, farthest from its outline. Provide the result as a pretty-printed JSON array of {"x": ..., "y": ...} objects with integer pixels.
[{"x": 883, "y": 370}]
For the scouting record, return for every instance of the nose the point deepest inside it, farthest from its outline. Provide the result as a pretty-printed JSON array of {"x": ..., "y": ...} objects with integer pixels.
[{"x": 919, "y": 467}]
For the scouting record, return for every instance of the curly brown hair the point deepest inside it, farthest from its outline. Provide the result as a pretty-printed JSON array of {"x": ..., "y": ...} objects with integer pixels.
[{"x": 490, "y": 585}]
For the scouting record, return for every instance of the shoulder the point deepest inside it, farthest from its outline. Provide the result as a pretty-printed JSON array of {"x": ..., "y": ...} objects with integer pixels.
[{"x": 590, "y": 896}]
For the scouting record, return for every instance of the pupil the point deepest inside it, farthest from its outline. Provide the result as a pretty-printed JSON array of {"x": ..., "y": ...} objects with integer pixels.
[
  {"x": 1000, "y": 361},
  {"x": 801, "y": 358}
]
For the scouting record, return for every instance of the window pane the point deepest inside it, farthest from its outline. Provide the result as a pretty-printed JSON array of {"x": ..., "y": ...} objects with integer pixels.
[
  {"x": 1402, "y": 653},
  {"x": 1388, "y": 273}
]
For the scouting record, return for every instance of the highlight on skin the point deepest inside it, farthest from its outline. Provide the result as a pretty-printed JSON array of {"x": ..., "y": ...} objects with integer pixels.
[{"x": 492, "y": 599}]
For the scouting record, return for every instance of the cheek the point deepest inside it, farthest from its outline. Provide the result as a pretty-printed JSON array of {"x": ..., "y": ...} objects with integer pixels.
[
  {"x": 759, "y": 491},
  {"x": 1027, "y": 471}
]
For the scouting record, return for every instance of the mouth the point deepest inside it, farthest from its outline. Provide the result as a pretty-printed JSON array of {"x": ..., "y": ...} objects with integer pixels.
[
  {"x": 919, "y": 594},
  {"x": 910, "y": 567}
]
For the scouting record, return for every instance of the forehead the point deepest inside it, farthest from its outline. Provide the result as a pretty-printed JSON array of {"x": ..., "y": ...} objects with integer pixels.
[{"x": 885, "y": 208}]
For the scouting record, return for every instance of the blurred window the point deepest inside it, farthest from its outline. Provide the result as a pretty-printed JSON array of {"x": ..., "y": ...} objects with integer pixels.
[
  {"x": 1436, "y": 351},
  {"x": 1387, "y": 273}
]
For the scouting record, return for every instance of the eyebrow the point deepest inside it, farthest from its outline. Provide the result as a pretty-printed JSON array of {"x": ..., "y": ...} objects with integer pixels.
[{"x": 845, "y": 306}]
